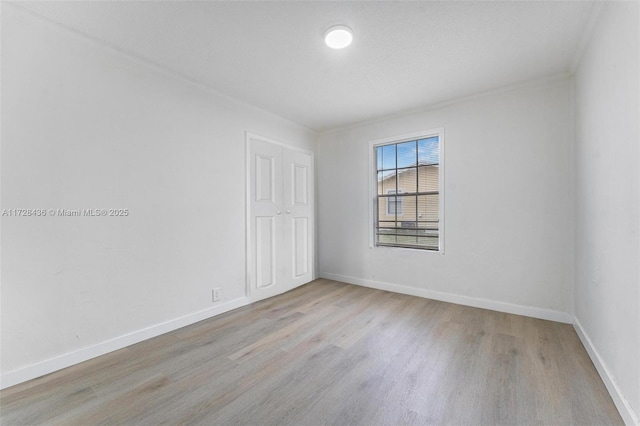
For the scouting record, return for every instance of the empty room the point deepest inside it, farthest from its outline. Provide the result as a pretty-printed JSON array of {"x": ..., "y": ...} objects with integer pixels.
[{"x": 320, "y": 212}]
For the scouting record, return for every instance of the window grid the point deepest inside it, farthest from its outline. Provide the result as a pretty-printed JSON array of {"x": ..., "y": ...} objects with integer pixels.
[{"x": 422, "y": 230}]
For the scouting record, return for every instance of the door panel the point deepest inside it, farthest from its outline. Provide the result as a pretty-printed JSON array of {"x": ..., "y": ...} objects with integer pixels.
[
  {"x": 264, "y": 178},
  {"x": 301, "y": 261},
  {"x": 265, "y": 252},
  {"x": 300, "y": 187}
]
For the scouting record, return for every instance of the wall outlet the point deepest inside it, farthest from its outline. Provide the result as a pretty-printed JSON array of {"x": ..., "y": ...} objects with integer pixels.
[{"x": 216, "y": 294}]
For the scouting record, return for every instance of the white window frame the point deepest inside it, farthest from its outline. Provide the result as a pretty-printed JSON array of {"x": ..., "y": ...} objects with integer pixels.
[{"x": 373, "y": 186}]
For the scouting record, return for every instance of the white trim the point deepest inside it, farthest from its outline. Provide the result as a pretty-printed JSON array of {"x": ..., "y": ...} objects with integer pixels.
[
  {"x": 33, "y": 371},
  {"x": 247, "y": 215},
  {"x": 373, "y": 189},
  {"x": 626, "y": 412},
  {"x": 407, "y": 137},
  {"x": 249, "y": 136},
  {"x": 494, "y": 305},
  {"x": 373, "y": 181}
]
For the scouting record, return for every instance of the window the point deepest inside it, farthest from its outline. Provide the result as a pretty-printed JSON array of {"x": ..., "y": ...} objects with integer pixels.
[
  {"x": 407, "y": 205},
  {"x": 394, "y": 204}
]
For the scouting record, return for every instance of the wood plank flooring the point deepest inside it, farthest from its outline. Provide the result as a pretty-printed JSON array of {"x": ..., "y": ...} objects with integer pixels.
[{"x": 332, "y": 353}]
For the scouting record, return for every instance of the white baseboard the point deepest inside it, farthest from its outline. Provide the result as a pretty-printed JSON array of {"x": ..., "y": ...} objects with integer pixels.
[
  {"x": 33, "y": 371},
  {"x": 510, "y": 308},
  {"x": 628, "y": 415}
]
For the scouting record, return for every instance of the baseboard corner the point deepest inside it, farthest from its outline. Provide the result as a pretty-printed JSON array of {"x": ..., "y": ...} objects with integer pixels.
[{"x": 627, "y": 413}]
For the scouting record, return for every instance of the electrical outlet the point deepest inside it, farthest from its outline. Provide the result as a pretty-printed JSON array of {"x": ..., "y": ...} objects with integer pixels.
[{"x": 216, "y": 294}]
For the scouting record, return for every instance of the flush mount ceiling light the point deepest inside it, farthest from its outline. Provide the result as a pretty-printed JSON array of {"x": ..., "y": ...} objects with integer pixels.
[{"x": 338, "y": 37}]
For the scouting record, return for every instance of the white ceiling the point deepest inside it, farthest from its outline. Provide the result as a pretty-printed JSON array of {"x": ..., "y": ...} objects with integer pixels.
[{"x": 405, "y": 55}]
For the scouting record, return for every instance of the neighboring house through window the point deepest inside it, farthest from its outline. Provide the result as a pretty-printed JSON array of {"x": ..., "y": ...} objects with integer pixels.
[
  {"x": 408, "y": 198},
  {"x": 394, "y": 204}
]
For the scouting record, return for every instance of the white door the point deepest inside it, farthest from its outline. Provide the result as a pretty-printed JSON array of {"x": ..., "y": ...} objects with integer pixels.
[
  {"x": 265, "y": 218},
  {"x": 280, "y": 228},
  {"x": 298, "y": 219}
]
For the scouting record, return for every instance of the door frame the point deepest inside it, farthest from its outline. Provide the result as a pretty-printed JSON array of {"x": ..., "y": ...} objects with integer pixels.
[{"x": 247, "y": 242}]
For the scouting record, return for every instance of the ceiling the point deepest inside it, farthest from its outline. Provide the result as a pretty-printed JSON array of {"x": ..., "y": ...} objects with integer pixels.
[{"x": 405, "y": 55}]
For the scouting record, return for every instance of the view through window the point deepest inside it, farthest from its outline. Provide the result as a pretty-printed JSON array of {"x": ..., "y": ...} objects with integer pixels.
[{"x": 407, "y": 202}]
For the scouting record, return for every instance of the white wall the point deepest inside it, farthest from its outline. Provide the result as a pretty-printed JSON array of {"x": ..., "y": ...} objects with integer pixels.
[
  {"x": 607, "y": 246},
  {"x": 84, "y": 126},
  {"x": 508, "y": 206}
]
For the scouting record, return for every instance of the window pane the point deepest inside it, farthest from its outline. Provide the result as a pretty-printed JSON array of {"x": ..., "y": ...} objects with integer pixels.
[
  {"x": 389, "y": 182},
  {"x": 428, "y": 242},
  {"x": 428, "y": 178},
  {"x": 428, "y": 151},
  {"x": 394, "y": 206},
  {"x": 385, "y": 211},
  {"x": 387, "y": 224},
  {"x": 388, "y": 157},
  {"x": 387, "y": 233},
  {"x": 407, "y": 181},
  {"x": 407, "y": 155},
  {"x": 408, "y": 207},
  {"x": 428, "y": 208},
  {"x": 391, "y": 206}
]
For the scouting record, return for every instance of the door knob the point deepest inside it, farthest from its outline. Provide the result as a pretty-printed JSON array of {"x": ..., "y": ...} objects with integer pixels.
[
  {"x": 288, "y": 212},
  {"x": 278, "y": 212}
]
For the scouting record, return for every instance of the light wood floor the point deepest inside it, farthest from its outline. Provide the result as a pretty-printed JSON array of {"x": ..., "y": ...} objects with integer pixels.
[{"x": 332, "y": 353}]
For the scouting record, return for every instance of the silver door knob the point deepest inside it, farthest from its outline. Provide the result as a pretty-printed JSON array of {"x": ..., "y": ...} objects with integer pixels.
[
  {"x": 288, "y": 212},
  {"x": 278, "y": 212}
]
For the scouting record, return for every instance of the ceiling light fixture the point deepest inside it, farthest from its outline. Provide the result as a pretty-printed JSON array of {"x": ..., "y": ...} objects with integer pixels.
[{"x": 338, "y": 37}]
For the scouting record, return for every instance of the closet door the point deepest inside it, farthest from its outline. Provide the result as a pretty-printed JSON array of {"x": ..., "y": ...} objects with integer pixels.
[
  {"x": 265, "y": 219},
  {"x": 280, "y": 218},
  {"x": 298, "y": 219}
]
